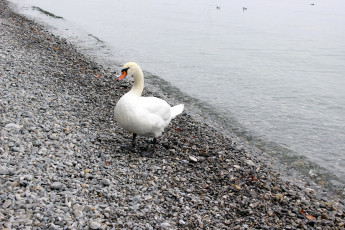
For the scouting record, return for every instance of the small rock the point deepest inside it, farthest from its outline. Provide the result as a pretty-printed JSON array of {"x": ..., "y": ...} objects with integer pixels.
[
  {"x": 78, "y": 213},
  {"x": 236, "y": 166},
  {"x": 324, "y": 216},
  {"x": 237, "y": 187},
  {"x": 148, "y": 197},
  {"x": 305, "y": 201},
  {"x": 29, "y": 177},
  {"x": 165, "y": 225},
  {"x": 95, "y": 225},
  {"x": 37, "y": 143},
  {"x": 12, "y": 126},
  {"x": 105, "y": 181},
  {"x": 275, "y": 188},
  {"x": 181, "y": 222},
  {"x": 54, "y": 137},
  {"x": 18, "y": 197},
  {"x": 193, "y": 159},
  {"x": 67, "y": 130},
  {"x": 148, "y": 226},
  {"x": 8, "y": 225},
  {"x": 135, "y": 207},
  {"x": 309, "y": 190},
  {"x": 87, "y": 208},
  {"x": 249, "y": 162},
  {"x": 15, "y": 149},
  {"x": 31, "y": 128},
  {"x": 279, "y": 197},
  {"x": 56, "y": 185},
  {"x": 3, "y": 171},
  {"x": 7, "y": 204},
  {"x": 42, "y": 151},
  {"x": 238, "y": 147},
  {"x": 52, "y": 226}
]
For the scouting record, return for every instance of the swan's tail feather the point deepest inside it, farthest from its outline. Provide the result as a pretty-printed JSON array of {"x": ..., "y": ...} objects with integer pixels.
[{"x": 176, "y": 110}]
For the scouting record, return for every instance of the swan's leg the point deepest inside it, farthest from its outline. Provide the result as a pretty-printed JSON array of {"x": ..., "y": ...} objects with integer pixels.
[
  {"x": 133, "y": 140},
  {"x": 151, "y": 148},
  {"x": 154, "y": 142}
]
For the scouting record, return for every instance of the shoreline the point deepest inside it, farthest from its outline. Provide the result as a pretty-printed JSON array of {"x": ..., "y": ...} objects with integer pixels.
[{"x": 64, "y": 161}]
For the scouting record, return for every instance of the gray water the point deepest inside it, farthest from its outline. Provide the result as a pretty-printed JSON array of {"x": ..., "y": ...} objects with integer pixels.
[{"x": 277, "y": 68}]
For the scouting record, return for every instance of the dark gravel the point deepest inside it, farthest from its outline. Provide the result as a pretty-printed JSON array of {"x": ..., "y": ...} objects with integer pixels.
[{"x": 65, "y": 164}]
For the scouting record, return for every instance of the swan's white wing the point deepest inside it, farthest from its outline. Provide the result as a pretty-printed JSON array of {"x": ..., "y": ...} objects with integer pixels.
[{"x": 156, "y": 107}]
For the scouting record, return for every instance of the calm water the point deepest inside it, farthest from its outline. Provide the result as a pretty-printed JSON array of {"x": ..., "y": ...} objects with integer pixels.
[{"x": 276, "y": 67}]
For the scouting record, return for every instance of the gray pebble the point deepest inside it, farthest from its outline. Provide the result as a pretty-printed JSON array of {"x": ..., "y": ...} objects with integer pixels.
[
  {"x": 148, "y": 226},
  {"x": 7, "y": 204},
  {"x": 56, "y": 185},
  {"x": 18, "y": 197},
  {"x": 106, "y": 181},
  {"x": 165, "y": 225},
  {"x": 95, "y": 225},
  {"x": 193, "y": 159},
  {"x": 3, "y": 171},
  {"x": 250, "y": 162},
  {"x": 12, "y": 126},
  {"x": 54, "y": 136},
  {"x": 181, "y": 222}
]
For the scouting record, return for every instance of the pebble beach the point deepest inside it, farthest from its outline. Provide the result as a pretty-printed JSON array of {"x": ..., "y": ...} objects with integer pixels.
[{"x": 66, "y": 164}]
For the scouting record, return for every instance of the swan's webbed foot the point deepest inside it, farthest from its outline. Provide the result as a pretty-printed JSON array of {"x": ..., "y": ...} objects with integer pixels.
[
  {"x": 150, "y": 150},
  {"x": 131, "y": 147}
]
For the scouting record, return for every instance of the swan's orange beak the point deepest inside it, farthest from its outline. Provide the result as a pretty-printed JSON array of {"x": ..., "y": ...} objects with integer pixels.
[{"x": 123, "y": 74}]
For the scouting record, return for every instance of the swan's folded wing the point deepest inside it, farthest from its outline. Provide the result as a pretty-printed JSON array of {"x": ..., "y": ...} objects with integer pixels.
[{"x": 156, "y": 106}]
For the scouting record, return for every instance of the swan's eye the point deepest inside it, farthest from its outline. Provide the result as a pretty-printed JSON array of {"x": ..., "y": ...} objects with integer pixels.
[{"x": 125, "y": 69}]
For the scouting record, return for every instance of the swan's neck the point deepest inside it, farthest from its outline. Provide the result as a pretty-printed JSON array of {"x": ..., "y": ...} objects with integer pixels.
[{"x": 138, "y": 86}]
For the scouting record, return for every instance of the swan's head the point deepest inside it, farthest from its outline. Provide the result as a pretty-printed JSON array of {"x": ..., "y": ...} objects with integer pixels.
[{"x": 130, "y": 68}]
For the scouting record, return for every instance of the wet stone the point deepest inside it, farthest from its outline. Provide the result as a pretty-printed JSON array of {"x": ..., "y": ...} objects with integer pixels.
[
  {"x": 105, "y": 182},
  {"x": 95, "y": 225},
  {"x": 324, "y": 216},
  {"x": 7, "y": 204},
  {"x": 57, "y": 186}
]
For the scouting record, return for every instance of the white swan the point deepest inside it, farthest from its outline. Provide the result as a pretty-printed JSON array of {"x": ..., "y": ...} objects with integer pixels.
[{"x": 146, "y": 116}]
